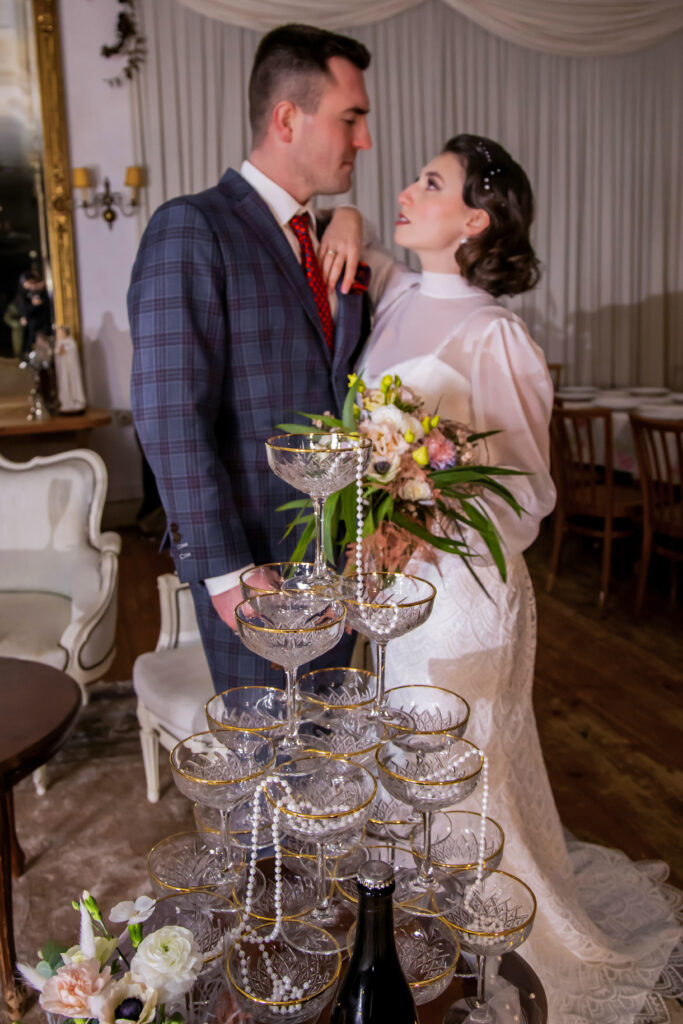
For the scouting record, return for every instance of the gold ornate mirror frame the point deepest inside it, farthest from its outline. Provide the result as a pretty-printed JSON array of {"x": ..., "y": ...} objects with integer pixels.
[{"x": 58, "y": 202}]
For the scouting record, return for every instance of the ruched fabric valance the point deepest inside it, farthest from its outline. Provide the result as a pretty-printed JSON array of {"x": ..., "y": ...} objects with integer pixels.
[{"x": 566, "y": 28}]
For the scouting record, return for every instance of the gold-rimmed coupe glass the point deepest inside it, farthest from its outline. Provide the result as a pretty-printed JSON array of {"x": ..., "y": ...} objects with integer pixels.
[
  {"x": 319, "y": 464},
  {"x": 456, "y": 843},
  {"x": 290, "y": 628},
  {"x": 383, "y": 606},
  {"x": 254, "y": 986},
  {"x": 429, "y": 773},
  {"x": 190, "y": 861},
  {"x": 326, "y": 798},
  {"x": 495, "y": 917},
  {"x": 275, "y": 576},
  {"x": 434, "y": 709},
  {"x": 260, "y": 710},
  {"x": 221, "y": 768},
  {"x": 345, "y": 689}
]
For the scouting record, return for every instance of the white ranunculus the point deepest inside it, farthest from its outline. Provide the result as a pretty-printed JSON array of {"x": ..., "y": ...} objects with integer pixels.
[
  {"x": 390, "y": 414},
  {"x": 168, "y": 960},
  {"x": 415, "y": 490}
]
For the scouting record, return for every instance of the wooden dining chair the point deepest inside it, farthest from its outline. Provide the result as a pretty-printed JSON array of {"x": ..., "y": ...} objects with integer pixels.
[
  {"x": 556, "y": 371},
  {"x": 659, "y": 450},
  {"x": 588, "y": 500}
]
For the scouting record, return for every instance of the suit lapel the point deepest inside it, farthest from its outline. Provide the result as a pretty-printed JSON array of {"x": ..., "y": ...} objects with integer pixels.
[{"x": 255, "y": 213}]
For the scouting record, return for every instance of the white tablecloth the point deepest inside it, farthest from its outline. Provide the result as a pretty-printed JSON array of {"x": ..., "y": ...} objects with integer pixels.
[{"x": 665, "y": 407}]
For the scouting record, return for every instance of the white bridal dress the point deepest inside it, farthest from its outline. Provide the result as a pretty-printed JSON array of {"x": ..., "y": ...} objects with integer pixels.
[{"x": 605, "y": 928}]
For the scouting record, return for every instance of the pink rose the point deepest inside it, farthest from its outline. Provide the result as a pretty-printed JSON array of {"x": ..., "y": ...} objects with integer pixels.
[
  {"x": 442, "y": 453},
  {"x": 70, "y": 990}
]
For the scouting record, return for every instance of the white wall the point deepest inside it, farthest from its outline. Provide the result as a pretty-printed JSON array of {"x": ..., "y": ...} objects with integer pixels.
[{"x": 100, "y": 125}]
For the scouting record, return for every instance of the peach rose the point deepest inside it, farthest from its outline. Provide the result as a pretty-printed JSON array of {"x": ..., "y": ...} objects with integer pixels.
[{"x": 70, "y": 990}]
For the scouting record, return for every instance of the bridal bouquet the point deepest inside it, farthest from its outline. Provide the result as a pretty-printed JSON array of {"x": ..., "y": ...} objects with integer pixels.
[
  {"x": 96, "y": 981},
  {"x": 423, "y": 487}
]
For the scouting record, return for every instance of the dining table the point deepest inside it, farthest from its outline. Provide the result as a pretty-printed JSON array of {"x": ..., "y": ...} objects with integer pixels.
[{"x": 654, "y": 402}]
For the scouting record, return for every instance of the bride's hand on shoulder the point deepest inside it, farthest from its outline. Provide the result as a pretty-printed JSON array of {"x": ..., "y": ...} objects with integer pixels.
[{"x": 340, "y": 247}]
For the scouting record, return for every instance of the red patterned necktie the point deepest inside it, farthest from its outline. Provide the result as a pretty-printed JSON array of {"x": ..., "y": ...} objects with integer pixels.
[{"x": 309, "y": 261}]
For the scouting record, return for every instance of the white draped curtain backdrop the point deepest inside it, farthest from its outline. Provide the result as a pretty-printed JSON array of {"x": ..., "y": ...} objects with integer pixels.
[{"x": 586, "y": 95}]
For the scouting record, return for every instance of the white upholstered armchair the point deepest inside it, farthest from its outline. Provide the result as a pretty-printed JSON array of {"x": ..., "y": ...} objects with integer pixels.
[
  {"x": 172, "y": 683},
  {"x": 58, "y": 572}
]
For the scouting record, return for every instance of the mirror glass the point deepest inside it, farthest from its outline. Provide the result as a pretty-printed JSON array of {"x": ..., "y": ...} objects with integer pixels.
[{"x": 26, "y": 294}]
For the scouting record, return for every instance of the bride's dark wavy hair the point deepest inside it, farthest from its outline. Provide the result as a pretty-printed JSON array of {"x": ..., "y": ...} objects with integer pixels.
[{"x": 500, "y": 259}]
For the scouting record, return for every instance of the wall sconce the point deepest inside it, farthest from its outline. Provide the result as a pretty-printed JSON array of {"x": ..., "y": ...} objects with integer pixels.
[{"x": 106, "y": 203}]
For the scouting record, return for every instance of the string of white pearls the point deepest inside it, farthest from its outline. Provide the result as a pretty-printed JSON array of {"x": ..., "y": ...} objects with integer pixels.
[
  {"x": 360, "y": 520},
  {"x": 469, "y": 895},
  {"x": 283, "y": 990},
  {"x": 424, "y": 773}
]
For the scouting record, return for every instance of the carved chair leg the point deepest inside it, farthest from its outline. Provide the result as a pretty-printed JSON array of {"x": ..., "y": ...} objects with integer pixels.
[
  {"x": 149, "y": 741},
  {"x": 606, "y": 564},
  {"x": 14, "y": 993},
  {"x": 557, "y": 544},
  {"x": 645, "y": 556},
  {"x": 18, "y": 857}
]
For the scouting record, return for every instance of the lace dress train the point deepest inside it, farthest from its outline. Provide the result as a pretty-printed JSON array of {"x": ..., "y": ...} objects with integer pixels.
[{"x": 606, "y": 928}]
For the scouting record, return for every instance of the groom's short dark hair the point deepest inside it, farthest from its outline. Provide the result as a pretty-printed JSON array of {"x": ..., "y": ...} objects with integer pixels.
[{"x": 291, "y": 62}]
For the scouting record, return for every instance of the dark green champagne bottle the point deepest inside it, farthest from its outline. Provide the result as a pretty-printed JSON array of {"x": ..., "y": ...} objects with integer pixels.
[{"x": 374, "y": 990}]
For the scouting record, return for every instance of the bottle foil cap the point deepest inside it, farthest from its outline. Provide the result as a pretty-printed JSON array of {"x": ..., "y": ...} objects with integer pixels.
[{"x": 375, "y": 876}]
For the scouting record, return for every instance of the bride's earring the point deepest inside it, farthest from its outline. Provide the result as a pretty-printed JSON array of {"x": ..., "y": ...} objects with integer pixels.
[{"x": 462, "y": 241}]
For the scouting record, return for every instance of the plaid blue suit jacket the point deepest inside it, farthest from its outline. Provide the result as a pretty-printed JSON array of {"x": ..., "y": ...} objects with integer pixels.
[{"x": 227, "y": 342}]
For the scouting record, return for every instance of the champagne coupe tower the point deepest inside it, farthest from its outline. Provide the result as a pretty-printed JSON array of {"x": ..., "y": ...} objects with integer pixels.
[{"x": 319, "y": 464}]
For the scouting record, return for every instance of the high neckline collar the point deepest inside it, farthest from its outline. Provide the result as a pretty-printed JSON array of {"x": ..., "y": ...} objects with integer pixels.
[{"x": 445, "y": 286}]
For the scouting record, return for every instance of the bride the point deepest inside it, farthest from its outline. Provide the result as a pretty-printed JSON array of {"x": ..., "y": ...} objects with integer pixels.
[{"x": 604, "y": 931}]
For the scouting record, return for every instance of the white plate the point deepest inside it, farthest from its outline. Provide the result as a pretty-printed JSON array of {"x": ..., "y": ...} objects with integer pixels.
[
  {"x": 612, "y": 401},
  {"x": 661, "y": 412},
  {"x": 577, "y": 391},
  {"x": 649, "y": 392}
]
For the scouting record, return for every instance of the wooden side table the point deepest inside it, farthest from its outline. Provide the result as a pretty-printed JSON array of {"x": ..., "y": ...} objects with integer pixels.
[{"x": 38, "y": 706}]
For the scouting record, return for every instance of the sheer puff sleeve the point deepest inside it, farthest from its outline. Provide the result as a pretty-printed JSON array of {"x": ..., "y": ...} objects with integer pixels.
[{"x": 511, "y": 392}]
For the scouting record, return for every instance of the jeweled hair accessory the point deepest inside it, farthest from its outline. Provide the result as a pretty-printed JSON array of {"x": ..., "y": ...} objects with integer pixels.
[{"x": 489, "y": 171}]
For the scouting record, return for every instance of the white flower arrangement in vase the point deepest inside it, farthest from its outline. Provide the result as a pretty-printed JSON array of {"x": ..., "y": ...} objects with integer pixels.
[{"x": 96, "y": 981}]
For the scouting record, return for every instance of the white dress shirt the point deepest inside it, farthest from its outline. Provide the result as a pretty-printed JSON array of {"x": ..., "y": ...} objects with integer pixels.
[{"x": 283, "y": 207}]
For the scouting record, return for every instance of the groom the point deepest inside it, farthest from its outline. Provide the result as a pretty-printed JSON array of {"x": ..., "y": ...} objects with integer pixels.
[{"x": 233, "y": 331}]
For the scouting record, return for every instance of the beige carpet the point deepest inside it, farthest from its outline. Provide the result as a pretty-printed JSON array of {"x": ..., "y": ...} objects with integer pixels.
[{"x": 94, "y": 827}]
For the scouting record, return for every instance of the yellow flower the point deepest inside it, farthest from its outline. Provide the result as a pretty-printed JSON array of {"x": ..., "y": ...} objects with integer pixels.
[
  {"x": 426, "y": 424},
  {"x": 421, "y": 456},
  {"x": 356, "y": 410},
  {"x": 361, "y": 386},
  {"x": 409, "y": 436},
  {"x": 434, "y": 422},
  {"x": 353, "y": 377},
  {"x": 397, "y": 381},
  {"x": 386, "y": 383}
]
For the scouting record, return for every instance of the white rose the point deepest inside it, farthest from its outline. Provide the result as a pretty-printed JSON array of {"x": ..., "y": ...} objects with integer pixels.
[
  {"x": 168, "y": 960},
  {"x": 415, "y": 490},
  {"x": 389, "y": 414}
]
